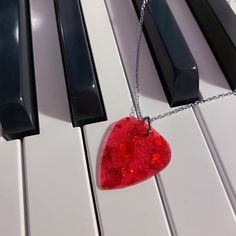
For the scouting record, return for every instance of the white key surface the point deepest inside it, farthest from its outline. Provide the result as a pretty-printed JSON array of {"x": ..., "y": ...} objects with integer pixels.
[
  {"x": 197, "y": 203},
  {"x": 217, "y": 119},
  {"x": 59, "y": 195},
  {"x": 136, "y": 210},
  {"x": 232, "y": 4},
  {"x": 12, "y": 214}
]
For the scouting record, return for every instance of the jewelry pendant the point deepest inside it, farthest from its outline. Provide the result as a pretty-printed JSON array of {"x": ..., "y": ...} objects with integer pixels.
[{"x": 132, "y": 154}]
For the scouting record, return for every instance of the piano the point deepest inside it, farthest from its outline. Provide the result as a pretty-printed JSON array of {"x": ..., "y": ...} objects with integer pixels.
[{"x": 48, "y": 181}]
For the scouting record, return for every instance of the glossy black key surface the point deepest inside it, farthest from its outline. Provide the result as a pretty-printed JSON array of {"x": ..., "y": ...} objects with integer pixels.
[
  {"x": 218, "y": 23},
  {"x": 174, "y": 62},
  {"x": 18, "y": 107},
  {"x": 85, "y": 99}
]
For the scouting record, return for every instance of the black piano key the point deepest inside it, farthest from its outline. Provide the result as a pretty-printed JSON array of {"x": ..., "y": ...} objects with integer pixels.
[
  {"x": 85, "y": 98},
  {"x": 18, "y": 106},
  {"x": 174, "y": 62},
  {"x": 218, "y": 23}
]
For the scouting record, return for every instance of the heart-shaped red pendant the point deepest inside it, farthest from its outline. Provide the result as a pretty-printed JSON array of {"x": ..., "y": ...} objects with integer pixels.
[{"x": 130, "y": 156}]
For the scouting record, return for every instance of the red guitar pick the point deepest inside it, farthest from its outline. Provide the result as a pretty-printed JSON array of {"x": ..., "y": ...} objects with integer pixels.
[{"x": 130, "y": 156}]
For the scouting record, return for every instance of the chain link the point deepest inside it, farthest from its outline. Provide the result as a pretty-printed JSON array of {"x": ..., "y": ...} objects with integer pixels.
[
  {"x": 140, "y": 33},
  {"x": 137, "y": 86}
]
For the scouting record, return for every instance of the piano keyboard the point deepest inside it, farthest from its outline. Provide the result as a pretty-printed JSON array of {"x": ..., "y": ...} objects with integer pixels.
[
  {"x": 48, "y": 184},
  {"x": 179, "y": 77}
]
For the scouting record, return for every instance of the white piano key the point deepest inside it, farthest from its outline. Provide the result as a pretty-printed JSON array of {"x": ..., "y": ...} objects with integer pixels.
[
  {"x": 59, "y": 194},
  {"x": 217, "y": 119},
  {"x": 12, "y": 213},
  {"x": 191, "y": 187},
  {"x": 218, "y": 122},
  {"x": 131, "y": 211},
  {"x": 232, "y": 4}
]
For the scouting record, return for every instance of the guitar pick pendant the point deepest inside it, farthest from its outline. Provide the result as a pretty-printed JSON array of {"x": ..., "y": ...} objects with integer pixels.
[{"x": 132, "y": 155}]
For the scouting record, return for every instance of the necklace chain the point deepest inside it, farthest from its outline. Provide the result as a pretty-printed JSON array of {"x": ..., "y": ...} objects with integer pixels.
[{"x": 137, "y": 90}]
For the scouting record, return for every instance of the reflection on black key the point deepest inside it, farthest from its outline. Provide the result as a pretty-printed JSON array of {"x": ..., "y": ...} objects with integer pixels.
[
  {"x": 18, "y": 108},
  {"x": 175, "y": 64},
  {"x": 84, "y": 95},
  {"x": 218, "y": 23}
]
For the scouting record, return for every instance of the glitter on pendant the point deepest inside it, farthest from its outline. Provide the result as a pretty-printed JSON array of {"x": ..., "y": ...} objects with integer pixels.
[{"x": 130, "y": 156}]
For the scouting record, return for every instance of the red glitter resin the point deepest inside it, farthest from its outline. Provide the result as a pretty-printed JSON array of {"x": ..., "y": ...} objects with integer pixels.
[{"x": 130, "y": 156}]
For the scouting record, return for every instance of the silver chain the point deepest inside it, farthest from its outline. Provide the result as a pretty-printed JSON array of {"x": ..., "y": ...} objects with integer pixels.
[{"x": 174, "y": 111}]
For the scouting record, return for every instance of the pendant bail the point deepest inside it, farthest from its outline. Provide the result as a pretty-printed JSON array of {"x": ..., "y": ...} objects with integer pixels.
[{"x": 148, "y": 120}]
